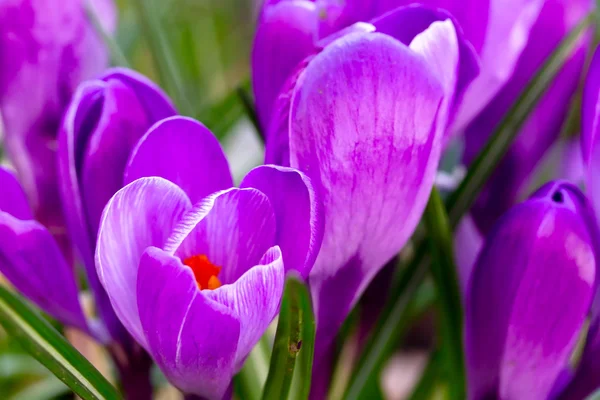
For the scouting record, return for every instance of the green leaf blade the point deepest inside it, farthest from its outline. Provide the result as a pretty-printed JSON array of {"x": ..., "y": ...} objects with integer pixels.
[
  {"x": 44, "y": 343},
  {"x": 294, "y": 344},
  {"x": 445, "y": 278}
]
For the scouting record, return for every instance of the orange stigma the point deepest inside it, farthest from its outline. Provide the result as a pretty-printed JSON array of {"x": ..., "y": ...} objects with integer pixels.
[{"x": 204, "y": 271}]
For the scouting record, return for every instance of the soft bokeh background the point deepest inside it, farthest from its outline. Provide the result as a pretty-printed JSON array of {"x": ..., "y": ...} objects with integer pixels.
[{"x": 210, "y": 41}]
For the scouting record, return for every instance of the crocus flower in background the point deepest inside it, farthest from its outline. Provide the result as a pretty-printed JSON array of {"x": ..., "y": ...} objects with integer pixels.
[
  {"x": 364, "y": 125},
  {"x": 32, "y": 261},
  {"x": 103, "y": 123},
  {"x": 544, "y": 124},
  {"x": 46, "y": 51},
  {"x": 287, "y": 33},
  {"x": 195, "y": 268},
  {"x": 529, "y": 296}
]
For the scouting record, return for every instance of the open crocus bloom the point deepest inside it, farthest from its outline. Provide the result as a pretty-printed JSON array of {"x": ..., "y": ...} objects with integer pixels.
[
  {"x": 529, "y": 297},
  {"x": 32, "y": 261},
  {"x": 195, "y": 268}
]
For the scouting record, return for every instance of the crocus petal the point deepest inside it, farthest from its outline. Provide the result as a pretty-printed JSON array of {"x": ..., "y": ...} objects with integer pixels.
[
  {"x": 298, "y": 213},
  {"x": 544, "y": 124},
  {"x": 155, "y": 102},
  {"x": 140, "y": 215},
  {"x": 586, "y": 380},
  {"x": 185, "y": 152},
  {"x": 507, "y": 34},
  {"x": 233, "y": 228},
  {"x": 192, "y": 338},
  {"x": 467, "y": 246},
  {"x": 284, "y": 37},
  {"x": 120, "y": 124},
  {"x": 85, "y": 107},
  {"x": 410, "y": 25},
  {"x": 590, "y": 128},
  {"x": 471, "y": 14},
  {"x": 254, "y": 299},
  {"x": 365, "y": 135},
  {"x": 12, "y": 197},
  {"x": 538, "y": 254},
  {"x": 31, "y": 260}
]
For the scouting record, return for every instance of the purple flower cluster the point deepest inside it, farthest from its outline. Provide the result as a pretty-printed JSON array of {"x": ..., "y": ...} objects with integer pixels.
[{"x": 358, "y": 100}]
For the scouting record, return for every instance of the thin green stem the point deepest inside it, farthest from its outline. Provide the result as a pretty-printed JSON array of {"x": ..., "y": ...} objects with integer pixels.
[
  {"x": 164, "y": 60},
  {"x": 116, "y": 53},
  {"x": 445, "y": 278}
]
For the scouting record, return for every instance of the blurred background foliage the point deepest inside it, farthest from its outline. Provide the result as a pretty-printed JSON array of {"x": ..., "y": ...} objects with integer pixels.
[{"x": 210, "y": 43}]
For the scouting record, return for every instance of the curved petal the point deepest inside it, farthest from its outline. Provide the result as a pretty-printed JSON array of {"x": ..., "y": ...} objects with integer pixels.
[
  {"x": 539, "y": 253},
  {"x": 590, "y": 128},
  {"x": 414, "y": 24},
  {"x": 78, "y": 122},
  {"x": 366, "y": 137},
  {"x": 192, "y": 338},
  {"x": 233, "y": 228},
  {"x": 31, "y": 260},
  {"x": 467, "y": 246},
  {"x": 587, "y": 377},
  {"x": 120, "y": 123},
  {"x": 438, "y": 44},
  {"x": 298, "y": 213},
  {"x": 154, "y": 101},
  {"x": 185, "y": 152},
  {"x": 140, "y": 215},
  {"x": 254, "y": 299},
  {"x": 12, "y": 197},
  {"x": 507, "y": 34},
  {"x": 472, "y": 15},
  {"x": 544, "y": 124},
  {"x": 284, "y": 37}
]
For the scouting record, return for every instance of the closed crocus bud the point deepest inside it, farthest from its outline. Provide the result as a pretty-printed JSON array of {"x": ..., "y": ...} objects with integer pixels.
[
  {"x": 529, "y": 296},
  {"x": 46, "y": 50},
  {"x": 587, "y": 378},
  {"x": 543, "y": 126},
  {"x": 102, "y": 124},
  {"x": 288, "y": 31},
  {"x": 195, "y": 267}
]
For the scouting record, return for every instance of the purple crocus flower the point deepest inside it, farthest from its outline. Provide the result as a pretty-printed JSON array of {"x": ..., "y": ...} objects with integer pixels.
[
  {"x": 102, "y": 124},
  {"x": 365, "y": 122},
  {"x": 195, "y": 268},
  {"x": 45, "y": 51},
  {"x": 543, "y": 126},
  {"x": 287, "y": 33},
  {"x": 32, "y": 261},
  {"x": 529, "y": 296},
  {"x": 587, "y": 377}
]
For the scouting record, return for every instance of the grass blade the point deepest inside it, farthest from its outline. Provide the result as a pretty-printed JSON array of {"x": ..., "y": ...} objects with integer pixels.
[
  {"x": 445, "y": 278},
  {"x": 162, "y": 55},
  {"x": 44, "y": 343},
  {"x": 294, "y": 341}
]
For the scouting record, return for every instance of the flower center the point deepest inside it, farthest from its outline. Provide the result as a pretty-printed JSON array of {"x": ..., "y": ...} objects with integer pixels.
[{"x": 204, "y": 271}]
